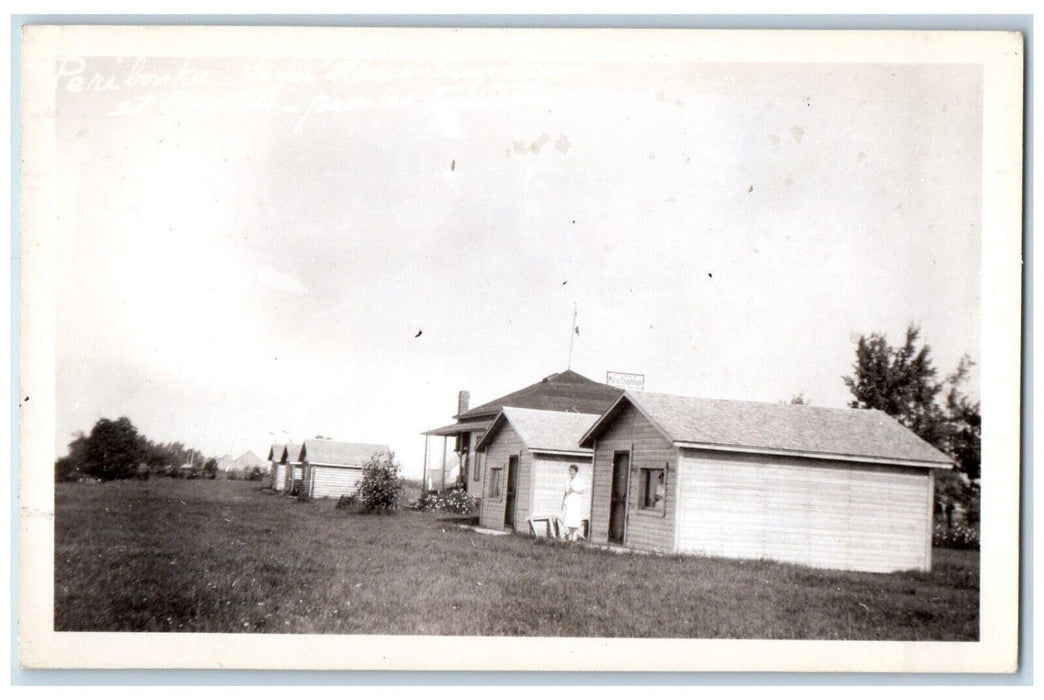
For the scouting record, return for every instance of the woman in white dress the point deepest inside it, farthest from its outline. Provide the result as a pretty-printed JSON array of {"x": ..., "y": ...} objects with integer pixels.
[{"x": 573, "y": 503}]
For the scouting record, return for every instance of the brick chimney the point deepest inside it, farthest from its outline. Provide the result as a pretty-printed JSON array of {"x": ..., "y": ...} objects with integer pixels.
[{"x": 463, "y": 399}]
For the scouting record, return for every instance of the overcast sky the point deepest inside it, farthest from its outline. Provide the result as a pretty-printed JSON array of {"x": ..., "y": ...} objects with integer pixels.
[{"x": 248, "y": 248}]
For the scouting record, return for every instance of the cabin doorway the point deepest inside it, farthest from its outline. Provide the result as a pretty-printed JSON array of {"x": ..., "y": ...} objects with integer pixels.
[
  {"x": 512, "y": 489},
  {"x": 618, "y": 498}
]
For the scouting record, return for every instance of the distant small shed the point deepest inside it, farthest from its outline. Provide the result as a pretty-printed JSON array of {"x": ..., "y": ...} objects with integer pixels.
[
  {"x": 277, "y": 468},
  {"x": 527, "y": 458},
  {"x": 293, "y": 472},
  {"x": 834, "y": 488},
  {"x": 333, "y": 469}
]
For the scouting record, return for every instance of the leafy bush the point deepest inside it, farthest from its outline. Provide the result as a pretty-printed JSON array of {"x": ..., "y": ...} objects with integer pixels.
[
  {"x": 454, "y": 501},
  {"x": 113, "y": 450},
  {"x": 458, "y": 501},
  {"x": 255, "y": 474},
  {"x": 347, "y": 501},
  {"x": 381, "y": 483},
  {"x": 429, "y": 501},
  {"x": 955, "y": 537},
  {"x": 67, "y": 469}
]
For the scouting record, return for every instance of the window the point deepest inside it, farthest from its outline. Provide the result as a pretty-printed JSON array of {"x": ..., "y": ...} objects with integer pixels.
[
  {"x": 494, "y": 481},
  {"x": 463, "y": 443},
  {"x": 654, "y": 489}
]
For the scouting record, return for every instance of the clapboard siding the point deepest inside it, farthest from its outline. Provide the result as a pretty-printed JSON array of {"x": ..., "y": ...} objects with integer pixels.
[
  {"x": 550, "y": 473},
  {"x": 818, "y": 513},
  {"x": 507, "y": 443},
  {"x": 293, "y": 473},
  {"x": 333, "y": 482},
  {"x": 649, "y": 530},
  {"x": 279, "y": 477}
]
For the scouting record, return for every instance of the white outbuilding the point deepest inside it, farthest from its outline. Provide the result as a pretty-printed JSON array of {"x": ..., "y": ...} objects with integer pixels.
[
  {"x": 332, "y": 469},
  {"x": 826, "y": 487},
  {"x": 276, "y": 467},
  {"x": 527, "y": 454}
]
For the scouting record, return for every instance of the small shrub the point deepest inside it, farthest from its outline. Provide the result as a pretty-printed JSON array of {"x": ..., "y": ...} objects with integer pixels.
[
  {"x": 454, "y": 501},
  {"x": 381, "y": 483},
  {"x": 457, "y": 501},
  {"x": 955, "y": 537},
  {"x": 429, "y": 501},
  {"x": 347, "y": 501},
  {"x": 256, "y": 474}
]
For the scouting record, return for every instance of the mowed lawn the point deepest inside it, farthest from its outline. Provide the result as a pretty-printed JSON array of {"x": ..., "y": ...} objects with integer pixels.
[{"x": 227, "y": 556}]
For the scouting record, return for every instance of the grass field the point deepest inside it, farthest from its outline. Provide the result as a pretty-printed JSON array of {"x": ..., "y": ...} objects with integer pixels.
[{"x": 228, "y": 556}]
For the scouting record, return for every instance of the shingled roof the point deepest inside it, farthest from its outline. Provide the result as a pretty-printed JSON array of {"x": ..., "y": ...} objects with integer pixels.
[
  {"x": 564, "y": 391},
  {"x": 275, "y": 452},
  {"x": 291, "y": 453},
  {"x": 339, "y": 454},
  {"x": 773, "y": 428},
  {"x": 544, "y": 431}
]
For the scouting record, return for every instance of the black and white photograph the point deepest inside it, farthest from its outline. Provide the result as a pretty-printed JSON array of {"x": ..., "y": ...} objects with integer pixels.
[{"x": 334, "y": 338}]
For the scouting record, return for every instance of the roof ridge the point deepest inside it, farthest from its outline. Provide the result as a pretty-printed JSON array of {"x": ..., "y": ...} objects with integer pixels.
[{"x": 787, "y": 404}]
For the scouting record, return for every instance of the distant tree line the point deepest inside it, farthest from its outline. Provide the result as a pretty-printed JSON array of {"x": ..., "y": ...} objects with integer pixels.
[{"x": 114, "y": 449}]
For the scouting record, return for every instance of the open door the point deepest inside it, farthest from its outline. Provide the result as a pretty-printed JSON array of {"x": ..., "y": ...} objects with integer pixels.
[
  {"x": 618, "y": 498},
  {"x": 512, "y": 489}
]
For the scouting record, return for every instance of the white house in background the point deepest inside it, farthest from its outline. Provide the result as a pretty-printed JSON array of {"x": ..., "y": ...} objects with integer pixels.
[
  {"x": 835, "y": 488},
  {"x": 331, "y": 469},
  {"x": 246, "y": 462},
  {"x": 567, "y": 392},
  {"x": 527, "y": 453},
  {"x": 225, "y": 464},
  {"x": 276, "y": 467}
]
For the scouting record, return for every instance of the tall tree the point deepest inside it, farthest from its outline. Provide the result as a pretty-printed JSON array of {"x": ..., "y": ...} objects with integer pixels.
[
  {"x": 901, "y": 381},
  {"x": 114, "y": 449},
  {"x": 965, "y": 422}
]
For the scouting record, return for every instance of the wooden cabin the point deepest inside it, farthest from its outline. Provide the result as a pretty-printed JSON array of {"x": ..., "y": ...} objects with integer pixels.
[
  {"x": 527, "y": 457},
  {"x": 333, "y": 469},
  {"x": 277, "y": 468},
  {"x": 567, "y": 391},
  {"x": 293, "y": 473},
  {"x": 833, "y": 488}
]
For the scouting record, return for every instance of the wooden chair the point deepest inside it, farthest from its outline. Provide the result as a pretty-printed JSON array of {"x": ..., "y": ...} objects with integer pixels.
[{"x": 544, "y": 526}]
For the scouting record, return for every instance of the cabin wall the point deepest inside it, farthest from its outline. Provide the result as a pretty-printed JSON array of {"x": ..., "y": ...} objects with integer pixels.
[
  {"x": 644, "y": 529},
  {"x": 332, "y": 482},
  {"x": 506, "y": 443},
  {"x": 547, "y": 486},
  {"x": 820, "y": 513},
  {"x": 292, "y": 473},
  {"x": 279, "y": 477}
]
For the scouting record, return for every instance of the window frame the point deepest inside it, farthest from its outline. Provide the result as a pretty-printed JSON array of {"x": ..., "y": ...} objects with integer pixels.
[
  {"x": 495, "y": 480},
  {"x": 647, "y": 481}
]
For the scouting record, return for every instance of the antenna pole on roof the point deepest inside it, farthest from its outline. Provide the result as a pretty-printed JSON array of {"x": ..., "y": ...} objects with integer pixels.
[{"x": 573, "y": 332}]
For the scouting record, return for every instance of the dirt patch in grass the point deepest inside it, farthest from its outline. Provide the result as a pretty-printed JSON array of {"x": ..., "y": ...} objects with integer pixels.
[{"x": 228, "y": 556}]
